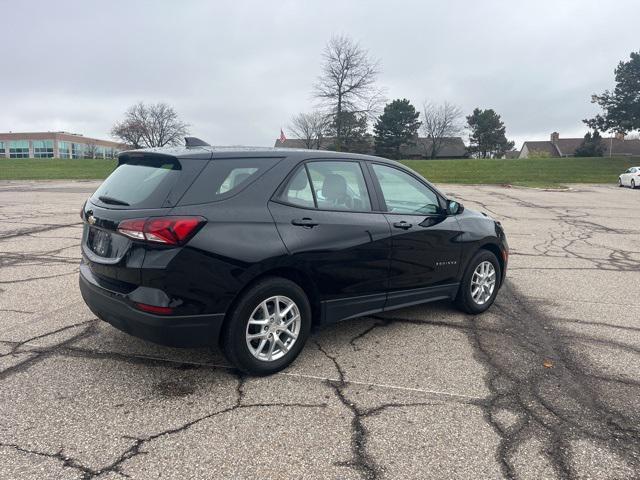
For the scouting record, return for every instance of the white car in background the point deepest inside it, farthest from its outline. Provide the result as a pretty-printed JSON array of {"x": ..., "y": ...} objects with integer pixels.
[{"x": 630, "y": 178}]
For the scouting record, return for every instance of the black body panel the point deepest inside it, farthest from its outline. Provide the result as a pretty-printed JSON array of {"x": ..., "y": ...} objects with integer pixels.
[
  {"x": 346, "y": 253},
  {"x": 175, "y": 331},
  {"x": 426, "y": 253}
]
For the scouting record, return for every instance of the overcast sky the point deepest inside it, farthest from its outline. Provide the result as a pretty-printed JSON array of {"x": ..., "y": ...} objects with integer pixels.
[{"x": 237, "y": 71}]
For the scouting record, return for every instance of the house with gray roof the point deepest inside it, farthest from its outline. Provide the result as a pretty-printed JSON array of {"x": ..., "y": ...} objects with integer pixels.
[
  {"x": 616, "y": 146},
  {"x": 452, "y": 147}
]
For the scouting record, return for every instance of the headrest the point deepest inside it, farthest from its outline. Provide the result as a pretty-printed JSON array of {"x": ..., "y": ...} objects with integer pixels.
[
  {"x": 239, "y": 178},
  {"x": 334, "y": 186},
  {"x": 299, "y": 181}
]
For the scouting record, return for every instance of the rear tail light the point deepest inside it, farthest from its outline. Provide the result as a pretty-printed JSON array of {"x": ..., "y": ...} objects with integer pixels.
[{"x": 164, "y": 230}]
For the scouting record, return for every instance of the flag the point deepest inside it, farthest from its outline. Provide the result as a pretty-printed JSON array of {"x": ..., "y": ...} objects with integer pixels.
[{"x": 282, "y": 137}]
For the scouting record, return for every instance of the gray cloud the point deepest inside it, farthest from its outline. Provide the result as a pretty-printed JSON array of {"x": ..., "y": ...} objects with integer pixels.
[{"x": 237, "y": 71}]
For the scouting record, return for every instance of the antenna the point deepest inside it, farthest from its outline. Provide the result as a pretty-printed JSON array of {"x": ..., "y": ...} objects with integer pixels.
[{"x": 194, "y": 142}]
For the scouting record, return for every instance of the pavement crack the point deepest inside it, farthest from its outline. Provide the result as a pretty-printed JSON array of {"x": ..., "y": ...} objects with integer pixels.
[
  {"x": 361, "y": 461},
  {"x": 46, "y": 352},
  {"x": 139, "y": 442},
  {"x": 557, "y": 405},
  {"x": 38, "y": 229},
  {"x": 67, "y": 462}
]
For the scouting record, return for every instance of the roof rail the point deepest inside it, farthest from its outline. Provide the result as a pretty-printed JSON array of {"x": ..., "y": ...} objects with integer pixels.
[{"x": 195, "y": 142}]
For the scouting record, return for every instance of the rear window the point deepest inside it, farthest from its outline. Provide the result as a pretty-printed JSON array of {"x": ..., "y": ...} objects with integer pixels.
[
  {"x": 140, "y": 183},
  {"x": 224, "y": 178}
]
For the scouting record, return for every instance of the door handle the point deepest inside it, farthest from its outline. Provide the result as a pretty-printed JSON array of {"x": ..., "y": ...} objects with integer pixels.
[
  {"x": 403, "y": 225},
  {"x": 304, "y": 222}
]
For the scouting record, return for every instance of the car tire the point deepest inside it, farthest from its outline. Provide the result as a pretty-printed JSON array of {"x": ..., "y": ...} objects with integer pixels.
[
  {"x": 620, "y": 182},
  {"x": 633, "y": 184},
  {"x": 465, "y": 300},
  {"x": 240, "y": 350}
]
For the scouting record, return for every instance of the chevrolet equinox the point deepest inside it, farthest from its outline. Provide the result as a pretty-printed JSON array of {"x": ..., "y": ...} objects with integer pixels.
[{"x": 246, "y": 249}]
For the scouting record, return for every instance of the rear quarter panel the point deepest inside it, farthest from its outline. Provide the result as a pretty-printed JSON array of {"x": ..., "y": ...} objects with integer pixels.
[{"x": 238, "y": 243}]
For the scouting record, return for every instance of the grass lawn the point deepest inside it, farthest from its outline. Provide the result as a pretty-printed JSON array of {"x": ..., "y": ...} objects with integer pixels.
[
  {"x": 534, "y": 172},
  {"x": 542, "y": 172},
  {"x": 54, "y": 169}
]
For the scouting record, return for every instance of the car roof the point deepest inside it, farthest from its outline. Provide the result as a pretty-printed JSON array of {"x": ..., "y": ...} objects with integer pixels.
[
  {"x": 213, "y": 152},
  {"x": 294, "y": 155}
]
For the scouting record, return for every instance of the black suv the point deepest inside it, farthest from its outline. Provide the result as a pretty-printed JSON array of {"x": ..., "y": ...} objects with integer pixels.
[{"x": 248, "y": 248}]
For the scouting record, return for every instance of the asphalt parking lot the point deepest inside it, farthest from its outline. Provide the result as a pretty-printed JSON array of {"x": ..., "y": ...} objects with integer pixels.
[{"x": 544, "y": 385}]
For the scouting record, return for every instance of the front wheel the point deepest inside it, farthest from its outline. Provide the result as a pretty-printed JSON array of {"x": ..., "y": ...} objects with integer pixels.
[
  {"x": 633, "y": 183},
  {"x": 268, "y": 327},
  {"x": 620, "y": 182},
  {"x": 480, "y": 283}
]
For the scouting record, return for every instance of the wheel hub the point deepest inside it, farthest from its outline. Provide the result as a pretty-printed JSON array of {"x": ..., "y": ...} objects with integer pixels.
[
  {"x": 273, "y": 328},
  {"x": 483, "y": 282}
]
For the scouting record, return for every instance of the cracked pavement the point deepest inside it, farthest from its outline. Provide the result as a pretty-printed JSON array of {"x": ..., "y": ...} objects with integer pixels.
[{"x": 544, "y": 385}]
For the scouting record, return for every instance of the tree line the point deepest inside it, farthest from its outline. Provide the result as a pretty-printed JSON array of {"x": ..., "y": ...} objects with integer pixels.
[{"x": 348, "y": 98}]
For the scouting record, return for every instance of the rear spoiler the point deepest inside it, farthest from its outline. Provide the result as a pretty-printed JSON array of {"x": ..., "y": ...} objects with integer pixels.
[{"x": 133, "y": 155}]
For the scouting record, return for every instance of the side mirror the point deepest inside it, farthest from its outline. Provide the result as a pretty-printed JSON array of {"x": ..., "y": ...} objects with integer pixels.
[{"x": 454, "y": 208}]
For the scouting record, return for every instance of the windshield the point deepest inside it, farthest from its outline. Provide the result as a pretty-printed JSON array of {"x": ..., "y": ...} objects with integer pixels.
[{"x": 140, "y": 183}]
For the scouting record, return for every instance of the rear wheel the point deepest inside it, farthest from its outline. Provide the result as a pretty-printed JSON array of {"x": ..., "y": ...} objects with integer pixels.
[
  {"x": 268, "y": 327},
  {"x": 480, "y": 283}
]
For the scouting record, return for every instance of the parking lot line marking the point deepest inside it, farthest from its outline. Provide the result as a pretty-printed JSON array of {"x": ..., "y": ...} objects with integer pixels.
[
  {"x": 440, "y": 393},
  {"x": 385, "y": 385}
]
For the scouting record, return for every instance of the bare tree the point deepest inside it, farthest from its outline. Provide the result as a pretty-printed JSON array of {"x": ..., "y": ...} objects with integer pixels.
[
  {"x": 347, "y": 81},
  {"x": 154, "y": 125},
  {"x": 438, "y": 123},
  {"x": 90, "y": 150},
  {"x": 310, "y": 127}
]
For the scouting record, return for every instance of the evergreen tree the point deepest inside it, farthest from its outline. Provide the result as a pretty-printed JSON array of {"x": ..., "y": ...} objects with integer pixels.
[
  {"x": 621, "y": 108},
  {"x": 487, "y": 137},
  {"x": 591, "y": 146},
  {"x": 354, "y": 136},
  {"x": 397, "y": 126}
]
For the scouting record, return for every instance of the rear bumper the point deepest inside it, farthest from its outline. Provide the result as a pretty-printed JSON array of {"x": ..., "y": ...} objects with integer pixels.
[{"x": 174, "y": 331}]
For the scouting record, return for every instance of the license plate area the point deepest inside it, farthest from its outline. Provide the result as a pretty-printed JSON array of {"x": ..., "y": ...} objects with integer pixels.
[{"x": 100, "y": 242}]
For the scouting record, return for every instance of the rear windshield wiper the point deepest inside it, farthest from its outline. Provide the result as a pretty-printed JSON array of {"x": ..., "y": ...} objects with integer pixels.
[{"x": 112, "y": 201}]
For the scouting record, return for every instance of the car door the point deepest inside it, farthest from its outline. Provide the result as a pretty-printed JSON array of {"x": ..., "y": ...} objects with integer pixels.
[
  {"x": 425, "y": 254},
  {"x": 626, "y": 177},
  {"x": 325, "y": 216}
]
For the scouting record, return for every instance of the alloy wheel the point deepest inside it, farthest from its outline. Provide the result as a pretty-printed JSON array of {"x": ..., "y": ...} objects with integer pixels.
[
  {"x": 483, "y": 282},
  {"x": 273, "y": 328}
]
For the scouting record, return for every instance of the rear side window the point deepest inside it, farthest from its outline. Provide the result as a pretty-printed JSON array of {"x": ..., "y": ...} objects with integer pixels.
[
  {"x": 223, "y": 178},
  {"x": 140, "y": 183},
  {"x": 337, "y": 185},
  {"x": 298, "y": 190}
]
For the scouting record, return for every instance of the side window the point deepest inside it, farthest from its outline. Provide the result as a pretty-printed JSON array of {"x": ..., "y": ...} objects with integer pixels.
[
  {"x": 222, "y": 178},
  {"x": 298, "y": 190},
  {"x": 235, "y": 178},
  {"x": 403, "y": 193},
  {"x": 339, "y": 185}
]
